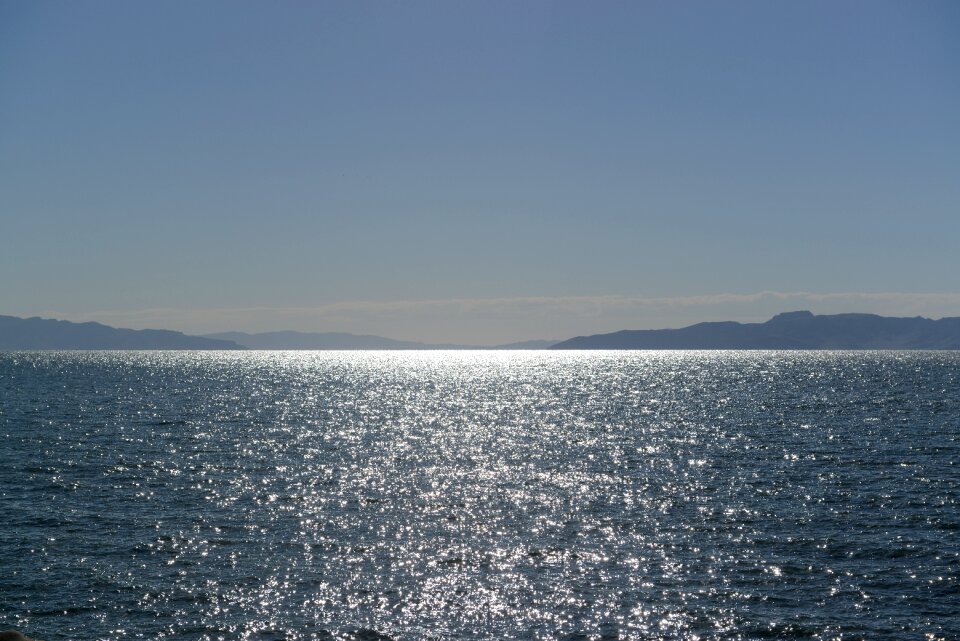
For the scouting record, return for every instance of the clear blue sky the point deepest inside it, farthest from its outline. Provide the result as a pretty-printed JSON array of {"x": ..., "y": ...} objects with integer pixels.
[{"x": 477, "y": 171}]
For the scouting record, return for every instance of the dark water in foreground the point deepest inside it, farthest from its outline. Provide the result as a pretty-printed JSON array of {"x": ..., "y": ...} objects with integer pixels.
[{"x": 519, "y": 495}]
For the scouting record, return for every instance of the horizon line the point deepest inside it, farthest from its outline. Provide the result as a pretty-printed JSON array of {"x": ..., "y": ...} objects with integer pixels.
[{"x": 579, "y": 315}]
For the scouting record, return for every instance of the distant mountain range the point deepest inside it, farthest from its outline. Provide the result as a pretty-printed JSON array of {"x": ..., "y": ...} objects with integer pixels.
[
  {"x": 343, "y": 340},
  {"x": 42, "y": 333},
  {"x": 320, "y": 340},
  {"x": 39, "y": 333},
  {"x": 792, "y": 330}
]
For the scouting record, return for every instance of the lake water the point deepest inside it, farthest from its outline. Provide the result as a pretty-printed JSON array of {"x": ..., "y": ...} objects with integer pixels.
[{"x": 480, "y": 495}]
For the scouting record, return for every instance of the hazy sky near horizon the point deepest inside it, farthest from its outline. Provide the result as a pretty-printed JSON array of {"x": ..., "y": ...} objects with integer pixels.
[{"x": 477, "y": 171}]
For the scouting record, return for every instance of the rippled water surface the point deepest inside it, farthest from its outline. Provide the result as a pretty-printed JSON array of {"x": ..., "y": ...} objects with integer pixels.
[{"x": 480, "y": 495}]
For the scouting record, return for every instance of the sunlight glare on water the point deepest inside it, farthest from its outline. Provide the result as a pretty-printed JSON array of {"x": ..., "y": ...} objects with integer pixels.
[{"x": 480, "y": 495}]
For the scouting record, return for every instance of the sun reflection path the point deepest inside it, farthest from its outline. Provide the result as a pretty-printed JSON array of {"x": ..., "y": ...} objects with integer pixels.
[{"x": 482, "y": 495}]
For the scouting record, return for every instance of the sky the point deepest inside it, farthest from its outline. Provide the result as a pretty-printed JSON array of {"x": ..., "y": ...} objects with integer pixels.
[{"x": 477, "y": 172}]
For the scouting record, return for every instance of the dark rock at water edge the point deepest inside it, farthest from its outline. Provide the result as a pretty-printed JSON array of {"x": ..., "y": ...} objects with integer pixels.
[{"x": 13, "y": 635}]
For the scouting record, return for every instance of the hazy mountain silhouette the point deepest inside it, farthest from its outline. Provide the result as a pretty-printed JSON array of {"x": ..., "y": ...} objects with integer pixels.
[
  {"x": 536, "y": 344},
  {"x": 321, "y": 340},
  {"x": 343, "y": 340},
  {"x": 41, "y": 333},
  {"x": 792, "y": 330}
]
